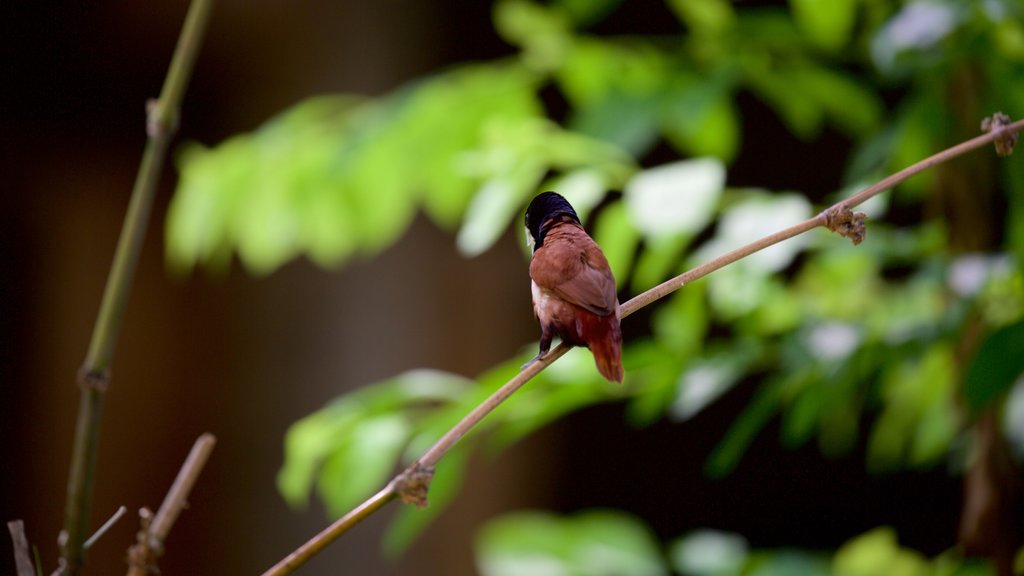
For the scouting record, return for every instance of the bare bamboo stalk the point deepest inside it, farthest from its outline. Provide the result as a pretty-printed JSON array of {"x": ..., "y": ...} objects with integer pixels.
[
  {"x": 161, "y": 124},
  {"x": 837, "y": 218}
]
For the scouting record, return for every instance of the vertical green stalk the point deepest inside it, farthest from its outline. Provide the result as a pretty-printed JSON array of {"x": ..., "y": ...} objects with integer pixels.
[{"x": 162, "y": 116}]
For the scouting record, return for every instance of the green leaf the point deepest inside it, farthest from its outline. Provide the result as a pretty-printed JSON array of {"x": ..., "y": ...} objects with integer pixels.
[
  {"x": 877, "y": 552},
  {"x": 681, "y": 324},
  {"x": 704, "y": 124},
  {"x": 917, "y": 138},
  {"x": 654, "y": 372},
  {"x": 590, "y": 543},
  {"x": 757, "y": 214},
  {"x": 801, "y": 112},
  {"x": 1013, "y": 418},
  {"x": 704, "y": 16},
  {"x": 709, "y": 553},
  {"x": 198, "y": 223},
  {"x": 437, "y": 422},
  {"x": 660, "y": 257},
  {"x": 848, "y": 103},
  {"x": 514, "y": 159},
  {"x": 598, "y": 69},
  {"x": 616, "y": 92},
  {"x": 744, "y": 429},
  {"x": 827, "y": 23},
  {"x": 676, "y": 198},
  {"x": 584, "y": 188},
  {"x": 627, "y": 120},
  {"x": 542, "y": 31},
  {"x": 805, "y": 94},
  {"x": 997, "y": 364},
  {"x": 735, "y": 292},
  {"x": 444, "y": 119},
  {"x": 1013, "y": 176},
  {"x": 611, "y": 542},
  {"x": 1009, "y": 39},
  {"x": 707, "y": 379},
  {"x": 362, "y": 463},
  {"x": 523, "y": 543},
  {"x": 307, "y": 443},
  {"x": 586, "y": 12},
  {"x": 369, "y": 424},
  {"x": 492, "y": 208},
  {"x": 913, "y": 34},
  {"x": 564, "y": 387},
  {"x": 916, "y": 392},
  {"x": 780, "y": 309},
  {"x": 840, "y": 284},
  {"x": 800, "y": 419},
  {"x": 618, "y": 238},
  {"x": 787, "y": 563}
]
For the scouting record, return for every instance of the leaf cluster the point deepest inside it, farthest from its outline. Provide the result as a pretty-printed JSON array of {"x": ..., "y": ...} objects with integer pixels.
[{"x": 599, "y": 542}]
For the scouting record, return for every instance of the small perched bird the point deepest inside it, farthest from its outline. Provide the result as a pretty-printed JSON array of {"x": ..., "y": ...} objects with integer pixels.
[{"x": 573, "y": 287}]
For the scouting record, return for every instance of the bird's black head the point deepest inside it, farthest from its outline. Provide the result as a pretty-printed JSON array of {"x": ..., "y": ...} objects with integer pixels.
[{"x": 543, "y": 212}]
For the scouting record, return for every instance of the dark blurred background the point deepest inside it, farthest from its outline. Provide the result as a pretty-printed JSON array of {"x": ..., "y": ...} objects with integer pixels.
[{"x": 243, "y": 357}]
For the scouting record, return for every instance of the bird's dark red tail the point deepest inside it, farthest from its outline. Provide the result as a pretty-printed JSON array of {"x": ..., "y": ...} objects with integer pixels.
[{"x": 604, "y": 338}]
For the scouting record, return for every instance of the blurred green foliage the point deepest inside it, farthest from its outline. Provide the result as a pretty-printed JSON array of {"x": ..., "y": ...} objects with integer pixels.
[
  {"x": 601, "y": 542},
  {"x": 593, "y": 542},
  {"x": 825, "y": 331}
]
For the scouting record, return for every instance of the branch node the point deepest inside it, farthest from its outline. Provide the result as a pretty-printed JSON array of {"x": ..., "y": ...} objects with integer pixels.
[
  {"x": 1007, "y": 140},
  {"x": 95, "y": 380},
  {"x": 161, "y": 121},
  {"x": 142, "y": 556},
  {"x": 848, "y": 224},
  {"x": 413, "y": 483}
]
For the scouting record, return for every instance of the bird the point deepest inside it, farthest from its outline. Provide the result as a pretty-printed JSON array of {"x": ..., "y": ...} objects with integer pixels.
[{"x": 572, "y": 285}]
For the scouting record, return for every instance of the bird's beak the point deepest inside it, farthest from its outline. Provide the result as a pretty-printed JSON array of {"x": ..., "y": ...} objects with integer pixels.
[{"x": 529, "y": 238}]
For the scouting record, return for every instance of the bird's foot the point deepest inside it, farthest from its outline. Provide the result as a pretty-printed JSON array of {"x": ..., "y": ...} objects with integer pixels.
[{"x": 531, "y": 361}]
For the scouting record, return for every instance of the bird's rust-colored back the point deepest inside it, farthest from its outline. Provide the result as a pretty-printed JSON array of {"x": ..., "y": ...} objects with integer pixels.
[{"x": 574, "y": 295}]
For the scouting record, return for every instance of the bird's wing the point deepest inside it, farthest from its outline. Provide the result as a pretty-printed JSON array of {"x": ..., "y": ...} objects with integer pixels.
[{"x": 571, "y": 266}]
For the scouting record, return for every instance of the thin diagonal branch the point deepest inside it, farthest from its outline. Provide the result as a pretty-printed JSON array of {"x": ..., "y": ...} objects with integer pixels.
[
  {"x": 106, "y": 526},
  {"x": 143, "y": 555},
  {"x": 837, "y": 218},
  {"x": 317, "y": 543},
  {"x": 161, "y": 124}
]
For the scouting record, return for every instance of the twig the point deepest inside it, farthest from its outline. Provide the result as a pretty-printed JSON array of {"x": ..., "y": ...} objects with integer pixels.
[
  {"x": 837, "y": 218},
  {"x": 106, "y": 526},
  {"x": 143, "y": 555},
  {"x": 317, "y": 543},
  {"x": 22, "y": 558},
  {"x": 830, "y": 215},
  {"x": 94, "y": 376}
]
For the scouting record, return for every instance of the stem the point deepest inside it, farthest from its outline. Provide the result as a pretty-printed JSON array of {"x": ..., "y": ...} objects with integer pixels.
[
  {"x": 143, "y": 555},
  {"x": 317, "y": 543},
  {"x": 94, "y": 377},
  {"x": 106, "y": 526},
  {"x": 177, "y": 496},
  {"x": 23, "y": 565},
  {"x": 446, "y": 442}
]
